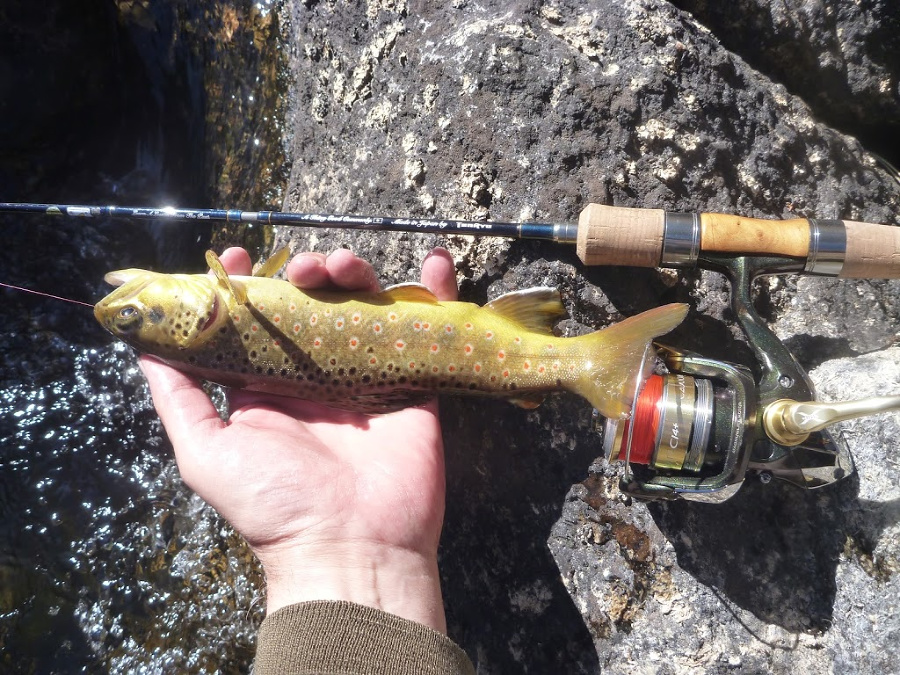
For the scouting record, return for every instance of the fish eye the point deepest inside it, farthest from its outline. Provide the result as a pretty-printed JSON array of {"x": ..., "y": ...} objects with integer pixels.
[{"x": 127, "y": 312}]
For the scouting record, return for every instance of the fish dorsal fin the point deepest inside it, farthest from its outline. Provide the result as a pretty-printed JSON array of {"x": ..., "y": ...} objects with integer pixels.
[
  {"x": 536, "y": 309},
  {"x": 273, "y": 264},
  {"x": 235, "y": 288},
  {"x": 408, "y": 292}
]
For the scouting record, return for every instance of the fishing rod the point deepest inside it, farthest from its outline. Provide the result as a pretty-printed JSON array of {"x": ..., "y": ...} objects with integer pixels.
[
  {"x": 697, "y": 432},
  {"x": 603, "y": 235}
]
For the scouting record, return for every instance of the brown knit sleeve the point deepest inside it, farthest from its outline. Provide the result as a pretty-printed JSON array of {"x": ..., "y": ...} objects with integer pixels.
[{"x": 343, "y": 637}]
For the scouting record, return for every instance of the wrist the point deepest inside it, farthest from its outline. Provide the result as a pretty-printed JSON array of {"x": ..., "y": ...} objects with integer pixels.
[{"x": 399, "y": 581}]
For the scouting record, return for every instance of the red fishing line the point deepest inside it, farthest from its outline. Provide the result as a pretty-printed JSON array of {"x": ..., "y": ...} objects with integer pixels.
[{"x": 646, "y": 422}]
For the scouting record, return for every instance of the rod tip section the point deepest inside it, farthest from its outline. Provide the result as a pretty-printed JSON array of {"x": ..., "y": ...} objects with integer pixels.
[{"x": 616, "y": 235}]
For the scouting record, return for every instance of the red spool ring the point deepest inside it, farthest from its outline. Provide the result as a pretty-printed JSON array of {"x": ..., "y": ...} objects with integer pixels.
[{"x": 645, "y": 423}]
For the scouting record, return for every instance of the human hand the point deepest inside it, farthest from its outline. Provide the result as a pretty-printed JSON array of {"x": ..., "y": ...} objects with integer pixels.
[{"x": 336, "y": 505}]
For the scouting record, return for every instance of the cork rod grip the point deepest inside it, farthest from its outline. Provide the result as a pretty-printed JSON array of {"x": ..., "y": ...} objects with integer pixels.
[
  {"x": 615, "y": 235},
  {"x": 873, "y": 251},
  {"x": 725, "y": 233}
]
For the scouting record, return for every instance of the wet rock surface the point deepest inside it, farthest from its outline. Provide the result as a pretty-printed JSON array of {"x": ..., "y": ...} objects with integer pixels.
[{"x": 531, "y": 110}]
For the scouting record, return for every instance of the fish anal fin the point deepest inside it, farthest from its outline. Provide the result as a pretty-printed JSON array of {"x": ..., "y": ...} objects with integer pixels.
[
  {"x": 409, "y": 292},
  {"x": 271, "y": 266},
  {"x": 235, "y": 288},
  {"x": 536, "y": 309},
  {"x": 528, "y": 401}
]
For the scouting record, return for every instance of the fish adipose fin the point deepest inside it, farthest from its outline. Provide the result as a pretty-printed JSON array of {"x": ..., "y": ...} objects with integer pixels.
[
  {"x": 235, "y": 288},
  {"x": 617, "y": 356},
  {"x": 537, "y": 309}
]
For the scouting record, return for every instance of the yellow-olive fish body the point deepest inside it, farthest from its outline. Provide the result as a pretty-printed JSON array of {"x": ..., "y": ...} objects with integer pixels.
[{"x": 374, "y": 352}]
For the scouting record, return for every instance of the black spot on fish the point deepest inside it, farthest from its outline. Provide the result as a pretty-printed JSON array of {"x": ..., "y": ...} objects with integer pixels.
[
  {"x": 310, "y": 377},
  {"x": 259, "y": 370},
  {"x": 402, "y": 380},
  {"x": 253, "y": 354},
  {"x": 284, "y": 372},
  {"x": 192, "y": 359},
  {"x": 178, "y": 325},
  {"x": 472, "y": 386},
  {"x": 513, "y": 386},
  {"x": 370, "y": 350},
  {"x": 223, "y": 330},
  {"x": 352, "y": 371},
  {"x": 366, "y": 378},
  {"x": 156, "y": 314},
  {"x": 246, "y": 336},
  {"x": 341, "y": 371},
  {"x": 332, "y": 361},
  {"x": 270, "y": 371},
  {"x": 348, "y": 383},
  {"x": 265, "y": 348},
  {"x": 335, "y": 382},
  {"x": 185, "y": 333}
]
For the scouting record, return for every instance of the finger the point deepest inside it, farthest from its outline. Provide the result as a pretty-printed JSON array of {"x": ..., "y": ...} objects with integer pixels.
[
  {"x": 351, "y": 273},
  {"x": 184, "y": 408},
  {"x": 307, "y": 270},
  {"x": 236, "y": 261},
  {"x": 439, "y": 274}
]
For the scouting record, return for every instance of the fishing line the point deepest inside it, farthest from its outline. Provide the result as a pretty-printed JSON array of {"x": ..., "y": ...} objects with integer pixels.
[{"x": 47, "y": 295}]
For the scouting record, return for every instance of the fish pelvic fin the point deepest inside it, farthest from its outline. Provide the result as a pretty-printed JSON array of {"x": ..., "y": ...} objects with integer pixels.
[
  {"x": 618, "y": 356},
  {"x": 271, "y": 266},
  {"x": 235, "y": 288},
  {"x": 537, "y": 309}
]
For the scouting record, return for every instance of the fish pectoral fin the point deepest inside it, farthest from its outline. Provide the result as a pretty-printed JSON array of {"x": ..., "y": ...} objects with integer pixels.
[
  {"x": 387, "y": 402},
  {"x": 408, "y": 292},
  {"x": 528, "y": 401},
  {"x": 235, "y": 288},
  {"x": 120, "y": 277},
  {"x": 536, "y": 309},
  {"x": 271, "y": 266}
]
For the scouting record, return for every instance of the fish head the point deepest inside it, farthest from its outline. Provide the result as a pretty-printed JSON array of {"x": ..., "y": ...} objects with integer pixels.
[{"x": 161, "y": 314}]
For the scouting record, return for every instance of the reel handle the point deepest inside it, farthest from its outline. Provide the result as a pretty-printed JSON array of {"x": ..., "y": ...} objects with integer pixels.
[{"x": 615, "y": 235}]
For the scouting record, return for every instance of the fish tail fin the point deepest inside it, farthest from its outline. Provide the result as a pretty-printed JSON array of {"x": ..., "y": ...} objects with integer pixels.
[{"x": 619, "y": 358}]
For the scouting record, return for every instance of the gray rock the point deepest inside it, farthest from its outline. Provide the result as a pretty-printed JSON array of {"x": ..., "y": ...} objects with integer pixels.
[{"x": 530, "y": 110}]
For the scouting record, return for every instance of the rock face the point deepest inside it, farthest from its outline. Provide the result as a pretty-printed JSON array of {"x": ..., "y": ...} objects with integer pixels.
[{"x": 530, "y": 110}]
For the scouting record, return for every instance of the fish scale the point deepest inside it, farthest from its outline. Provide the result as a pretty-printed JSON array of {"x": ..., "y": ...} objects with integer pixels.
[{"x": 379, "y": 352}]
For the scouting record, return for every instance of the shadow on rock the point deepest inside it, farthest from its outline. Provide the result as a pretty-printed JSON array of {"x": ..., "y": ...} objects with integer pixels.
[
  {"x": 772, "y": 549},
  {"x": 507, "y": 470}
]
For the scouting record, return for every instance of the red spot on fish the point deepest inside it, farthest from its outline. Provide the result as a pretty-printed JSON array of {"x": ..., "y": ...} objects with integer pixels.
[
  {"x": 313, "y": 319},
  {"x": 354, "y": 343},
  {"x": 505, "y": 373},
  {"x": 451, "y": 368},
  {"x": 293, "y": 307},
  {"x": 493, "y": 378},
  {"x": 237, "y": 318},
  {"x": 489, "y": 335},
  {"x": 356, "y": 318},
  {"x": 426, "y": 326},
  {"x": 260, "y": 307},
  {"x": 501, "y": 355},
  {"x": 277, "y": 343},
  {"x": 373, "y": 360},
  {"x": 376, "y": 327},
  {"x": 412, "y": 365},
  {"x": 434, "y": 369},
  {"x": 399, "y": 344},
  {"x": 317, "y": 343},
  {"x": 296, "y": 327},
  {"x": 468, "y": 326},
  {"x": 448, "y": 328},
  {"x": 417, "y": 325},
  {"x": 526, "y": 366},
  {"x": 254, "y": 328},
  {"x": 467, "y": 349},
  {"x": 541, "y": 369},
  {"x": 339, "y": 323},
  {"x": 517, "y": 339},
  {"x": 392, "y": 317},
  {"x": 434, "y": 349},
  {"x": 477, "y": 368},
  {"x": 276, "y": 319}
]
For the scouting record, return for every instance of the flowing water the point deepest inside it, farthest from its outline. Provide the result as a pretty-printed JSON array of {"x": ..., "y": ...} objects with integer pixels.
[{"x": 107, "y": 562}]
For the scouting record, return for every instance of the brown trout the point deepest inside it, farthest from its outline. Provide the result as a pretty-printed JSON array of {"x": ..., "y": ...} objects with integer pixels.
[{"x": 374, "y": 353}]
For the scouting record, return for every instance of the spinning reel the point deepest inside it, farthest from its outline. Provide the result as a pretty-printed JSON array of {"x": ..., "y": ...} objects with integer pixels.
[{"x": 699, "y": 430}]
